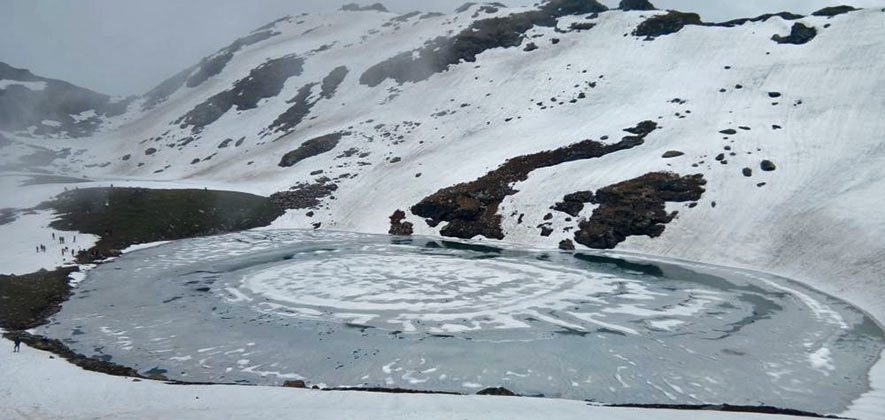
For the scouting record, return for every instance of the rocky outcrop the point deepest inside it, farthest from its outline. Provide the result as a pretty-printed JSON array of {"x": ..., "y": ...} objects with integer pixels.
[
  {"x": 834, "y": 11},
  {"x": 799, "y": 34},
  {"x": 264, "y": 81},
  {"x": 354, "y": 7},
  {"x": 471, "y": 208},
  {"x": 636, "y": 5},
  {"x": 310, "y": 148},
  {"x": 636, "y": 207},
  {"x": 304, "y": 195},
  {"x": 671, "y": 22},
  {"x": 573, "y": 203},
  {"x": 498, "y": 32},
  {"x": 500, "y": 391},
  {"x": 397, "y": 226}
]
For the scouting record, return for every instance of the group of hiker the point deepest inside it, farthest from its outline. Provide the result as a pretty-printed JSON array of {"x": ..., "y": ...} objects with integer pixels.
[{"x": 61, "y": 240}]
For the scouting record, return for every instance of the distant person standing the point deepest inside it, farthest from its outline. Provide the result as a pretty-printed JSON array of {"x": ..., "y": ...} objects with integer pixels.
[{"x": 18, "y": 344}]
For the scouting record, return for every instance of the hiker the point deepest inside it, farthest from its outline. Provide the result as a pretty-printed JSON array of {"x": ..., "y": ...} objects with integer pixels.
[
  {"x": 53, "y": 236},
  {"x": 18, "y": 344},
  {"x": 75, "y": 238},
  {"x": 38, "y": 249}
]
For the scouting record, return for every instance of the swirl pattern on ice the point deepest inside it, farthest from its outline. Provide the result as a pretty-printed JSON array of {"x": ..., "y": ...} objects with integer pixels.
[{"x": 349, "y": 309}]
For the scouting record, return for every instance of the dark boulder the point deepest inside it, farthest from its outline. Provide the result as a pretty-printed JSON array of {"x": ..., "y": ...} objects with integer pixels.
[
  {"x": 497, "y": 391},
  {"x": 768, "y": 165},
  {"x": 672, "y": 154},
  {"x": 799, "y": 34},
  {"x": 567, "y": 245}
]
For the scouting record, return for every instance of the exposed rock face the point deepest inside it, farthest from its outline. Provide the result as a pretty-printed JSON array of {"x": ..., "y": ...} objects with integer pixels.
[
  {"x": 666, "y": 24},
  {"x": 636, "y": 5},
  {"x": 397, "y": 226},
  {"x": 332, "y": 81},
  {"x": 311, "y": 148},
  {"x": 303, "y": 195},
  {"x": 206, "y": 68},
  {"x": 636, "y": 207},
  {"x": 481, "y": 35},
  {"x": 833, "y": 11},
  {"x": 799, "y": 34},
  {"x": 501, "y": 391},
  {"x": 264, "y": 81},
  {"x": 471, "y": 208}
]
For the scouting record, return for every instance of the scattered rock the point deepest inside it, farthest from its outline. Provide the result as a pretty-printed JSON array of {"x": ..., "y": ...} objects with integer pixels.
[
  {"x": 747, "y": 172},
  {"x": 150, "y": 150},
  {"x": 728, "y": 132},
  {"x": 567, "y": 245},
  {"x": 303, "y": 195},
  {"x": 672, "y": 154},
  {"x": 530, "y": 47},
  {"x": 774, "y": 94},
  {"x": 768, "y": 165}
]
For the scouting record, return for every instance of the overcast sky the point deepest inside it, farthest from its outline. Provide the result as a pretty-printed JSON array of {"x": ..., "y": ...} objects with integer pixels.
[{"x": 123, "y": 47}]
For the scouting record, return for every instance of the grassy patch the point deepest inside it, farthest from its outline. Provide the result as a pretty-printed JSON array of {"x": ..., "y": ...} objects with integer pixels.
[
  {"x": 26, "y": 301},
  {"x": 127, "y": 216}
]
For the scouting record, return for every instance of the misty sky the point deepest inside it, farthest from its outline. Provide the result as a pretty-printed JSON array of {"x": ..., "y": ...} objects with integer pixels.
[{"x": 123, "y": 47}]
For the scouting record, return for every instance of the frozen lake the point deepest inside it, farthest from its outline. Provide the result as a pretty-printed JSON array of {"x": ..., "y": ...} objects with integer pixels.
[{"x": 346, "y": 309}]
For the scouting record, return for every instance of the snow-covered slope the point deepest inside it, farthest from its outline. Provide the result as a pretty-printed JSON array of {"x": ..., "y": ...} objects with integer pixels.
[
  {"x": 786, "y": 132},
  {"x": 812, "y": 109}
]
